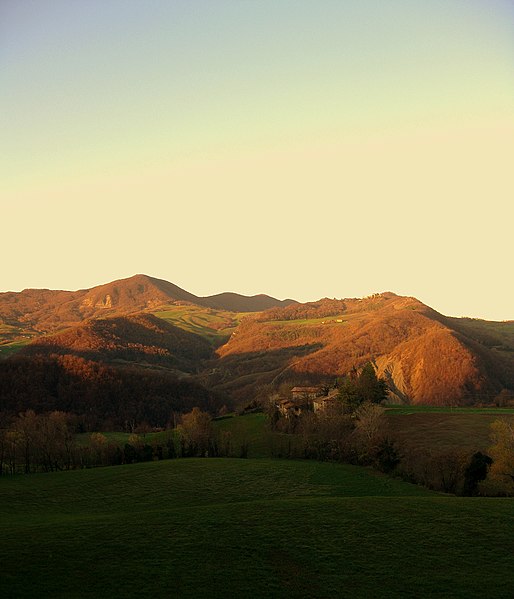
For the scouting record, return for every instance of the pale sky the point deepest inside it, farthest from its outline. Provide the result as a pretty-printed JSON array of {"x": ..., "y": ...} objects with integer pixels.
[{"x": 303, "y": 149}]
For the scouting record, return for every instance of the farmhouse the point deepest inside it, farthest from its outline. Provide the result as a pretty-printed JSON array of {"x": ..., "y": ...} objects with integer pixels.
[
  {"x": 300, "y": 401},
  {"x": 305, "y": 399},
  {"x": 326, "y": 402},
  {"x": 305, "y": 393},
  {"x": 289, "y": 408}
]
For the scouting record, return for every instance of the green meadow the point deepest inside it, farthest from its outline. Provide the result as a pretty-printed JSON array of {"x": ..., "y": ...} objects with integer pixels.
[
  {"x": 253, "y": 430},
  {"x": 8, "y": 349},
  {"x": 247, "y": 528},
  {"x": 214, "y": 325},
  {"x": 441, "y": 430},
  {"x": 341, "y": 319}
]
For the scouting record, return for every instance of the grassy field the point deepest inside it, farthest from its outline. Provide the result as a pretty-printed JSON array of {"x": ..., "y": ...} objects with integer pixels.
[
  {"x": 214, "y": 325},
  {"x": 407, "y": 410},
  {"x": 8, "y": 329},
  {"x": 8, "y": 349},
  {"x": 341, "y": 319},
  {"x": 247, "y": 528},
  {"x": 121, "y": 438},
  {"x": 437, "y": 430},
  {"x": 250, "y": 429},
  {"x": 440, "y": 431},
  {"x": 12, "y": 339}
]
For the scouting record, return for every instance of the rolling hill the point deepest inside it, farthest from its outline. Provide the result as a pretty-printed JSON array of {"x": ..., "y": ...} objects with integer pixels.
[
  {"x": 424, "y": 356},
  {"x": 261, "y": 528},
  {"x": 244, "y": 346},
  {"x": 36, "y": 311},
  {"x": 141, "y": 339}
]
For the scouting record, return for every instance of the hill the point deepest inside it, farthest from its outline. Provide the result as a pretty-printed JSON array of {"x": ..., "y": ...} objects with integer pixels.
[
  {"x": 110, "y": 372},
  {"x": 425, "y": 357},
  {"x": 235, "y": 302},
  {"x": 498, "y": 336},
  {"x": 101, "y": 396},
  {"x": 216, "y": 326},
  {"x": 271, "y": 527},
  {"x": 36, "y": 311},
  {"x": 261, "y": 342},
  {"x": 140, "y": 338}
]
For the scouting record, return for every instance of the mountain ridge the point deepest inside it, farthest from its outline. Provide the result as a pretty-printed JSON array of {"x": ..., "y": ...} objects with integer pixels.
[
  {"x": 45, "y": 310},
  {"x": 423, "y": 358},
  {"x": 240, "y": 345}
]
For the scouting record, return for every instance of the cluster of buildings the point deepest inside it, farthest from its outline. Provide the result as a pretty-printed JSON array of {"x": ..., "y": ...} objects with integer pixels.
[{"x": 311, "y": 399}]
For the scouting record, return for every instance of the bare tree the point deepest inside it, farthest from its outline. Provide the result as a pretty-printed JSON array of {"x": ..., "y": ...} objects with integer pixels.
[
  {"x": 501, "y": 473},
  {"x": 370, "y": 421},
  {"x": 195, "y": 430}
]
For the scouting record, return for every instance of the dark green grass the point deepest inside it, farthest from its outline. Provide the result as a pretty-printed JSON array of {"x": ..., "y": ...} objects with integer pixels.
[
  {"x": 253, "y": 430},
  {"x": 247, "y": 528},
  {"x": 121, "y": 438}
]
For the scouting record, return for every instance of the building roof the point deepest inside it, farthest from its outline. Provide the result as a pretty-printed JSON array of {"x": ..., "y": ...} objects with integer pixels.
[{"x": 305, "y": 389}]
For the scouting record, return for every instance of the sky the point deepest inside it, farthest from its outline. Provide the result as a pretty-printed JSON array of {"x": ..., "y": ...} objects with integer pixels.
[{"x": 303, "y": 149}]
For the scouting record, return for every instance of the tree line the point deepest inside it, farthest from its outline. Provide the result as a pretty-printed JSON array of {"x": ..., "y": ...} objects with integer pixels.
[
  {"x": 354, "y": 429},
  {"x": 101, "y": 397},
  {"x": 48, "y": 442},
  {"x": 364, "y": 438}
]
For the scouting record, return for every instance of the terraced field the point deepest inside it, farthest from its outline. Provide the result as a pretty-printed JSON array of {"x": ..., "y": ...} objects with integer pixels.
[{"x": 215, "y": 325}]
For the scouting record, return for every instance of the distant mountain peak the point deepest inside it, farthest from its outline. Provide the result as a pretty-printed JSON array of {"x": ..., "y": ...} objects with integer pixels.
[{"x": 45, "y": 310}]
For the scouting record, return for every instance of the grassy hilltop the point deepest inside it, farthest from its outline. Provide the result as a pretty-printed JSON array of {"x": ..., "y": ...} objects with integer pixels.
[{"x": 247, "y": 528}]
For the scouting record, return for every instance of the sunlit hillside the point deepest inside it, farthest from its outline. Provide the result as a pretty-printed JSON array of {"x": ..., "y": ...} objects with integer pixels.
[{"x": 421, "y": 356}]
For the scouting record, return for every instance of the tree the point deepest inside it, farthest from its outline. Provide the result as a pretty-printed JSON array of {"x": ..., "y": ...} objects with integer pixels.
[
  {"x": 357, "y": 388},
  {"x": 271, "y": 411},
  {"x": 27, "y": 426},
  {"x": 500, "y": 479},
  {"x": 387, "y": 456},
  {"x": 98, "y": 443},
  {"x": 475, "y": 472},
  {"x": 369, "y": 386},
  {"x": 4, "y": 427},
  {"x": 370, "y": 421},
  {"x": 349, "y": 395},
  {"x": 504, "y": 398},
  {"x": 195, "y": 429},
  {"x": 61, "y": 438},
  {"x": 170, "y": 447},
  {"x": 129, "y": 453}
]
